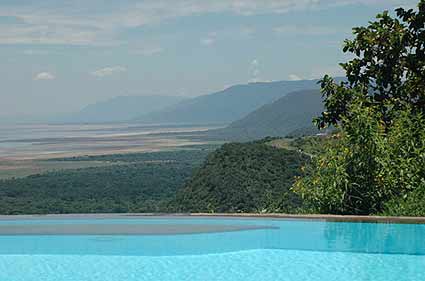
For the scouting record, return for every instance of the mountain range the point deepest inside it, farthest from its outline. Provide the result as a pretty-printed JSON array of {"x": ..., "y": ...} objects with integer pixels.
[
  {"x": 251, "y": 111},
  {"x": 228, "y": 105},
  {"x": 287, "y": 115},
  {"x": 119, "y": 109}
]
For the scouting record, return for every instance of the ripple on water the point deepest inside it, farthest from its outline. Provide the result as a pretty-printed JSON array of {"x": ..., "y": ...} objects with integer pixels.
[{"x": 255, "y": 265}]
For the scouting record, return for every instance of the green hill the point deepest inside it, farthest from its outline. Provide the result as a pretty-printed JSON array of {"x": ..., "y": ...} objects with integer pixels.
[
  {"x": 243, "y": 177},
  {"x": 288, "y": 115}
]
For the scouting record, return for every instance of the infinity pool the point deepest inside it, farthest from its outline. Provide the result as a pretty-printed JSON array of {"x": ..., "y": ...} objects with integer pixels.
[{"x": 179, "y": 248}]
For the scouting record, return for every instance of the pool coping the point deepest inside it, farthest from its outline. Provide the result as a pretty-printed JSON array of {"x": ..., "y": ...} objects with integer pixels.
[{"x": 328, "y": 218}]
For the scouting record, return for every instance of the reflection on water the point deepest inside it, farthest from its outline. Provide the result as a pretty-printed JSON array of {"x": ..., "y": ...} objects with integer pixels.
[
  {"x": 288, "y": 234},
  {"x": 376, "y": 238}
]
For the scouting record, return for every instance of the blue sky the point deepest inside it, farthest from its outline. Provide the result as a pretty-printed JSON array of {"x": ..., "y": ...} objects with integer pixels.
[{"x": 59, "y": 55}]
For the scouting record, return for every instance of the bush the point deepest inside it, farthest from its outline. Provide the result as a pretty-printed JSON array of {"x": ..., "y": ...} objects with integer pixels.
[{"x": 371, "y": 168}]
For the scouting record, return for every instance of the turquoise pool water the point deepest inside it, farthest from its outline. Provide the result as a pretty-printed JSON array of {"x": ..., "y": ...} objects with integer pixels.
[{"x": 286, "y": 250}]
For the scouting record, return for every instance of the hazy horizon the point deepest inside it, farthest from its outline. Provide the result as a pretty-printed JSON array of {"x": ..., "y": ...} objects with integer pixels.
[{"x": 59, "y": 56}]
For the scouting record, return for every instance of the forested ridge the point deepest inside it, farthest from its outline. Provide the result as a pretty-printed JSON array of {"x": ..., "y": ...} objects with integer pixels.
[{"x": 244, "y": 177}]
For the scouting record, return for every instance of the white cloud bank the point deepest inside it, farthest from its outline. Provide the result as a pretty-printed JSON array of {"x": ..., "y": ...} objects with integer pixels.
[
  {"x": 108, "y": 71},
  {"x": 44, "y": 76},
  {"x": 83, "y": 23}
]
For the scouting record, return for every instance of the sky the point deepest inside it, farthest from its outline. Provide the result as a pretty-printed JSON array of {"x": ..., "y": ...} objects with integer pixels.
[{"x": 60, "y": 55}]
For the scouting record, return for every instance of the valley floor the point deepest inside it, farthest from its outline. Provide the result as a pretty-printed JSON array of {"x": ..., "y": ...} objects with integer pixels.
[{"x": 25, "y": 149}]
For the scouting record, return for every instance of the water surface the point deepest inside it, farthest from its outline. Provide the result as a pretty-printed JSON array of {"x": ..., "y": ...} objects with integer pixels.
[{"x": 254, "y": 249}]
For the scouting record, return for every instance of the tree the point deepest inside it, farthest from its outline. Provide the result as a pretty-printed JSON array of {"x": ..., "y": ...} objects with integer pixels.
[
  {"x": 377, "y": 163},
  {"x": 344, "y": 179},
  {"x": 387, "y": 71}
]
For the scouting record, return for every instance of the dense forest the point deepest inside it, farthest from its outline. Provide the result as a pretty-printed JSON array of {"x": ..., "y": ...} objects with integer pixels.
[
  {"x": 142, "y": 182},
  {"x": 237, "y": 177},
  {"x": 244, "y": 177},
  {"x": 190, "y": 154}
]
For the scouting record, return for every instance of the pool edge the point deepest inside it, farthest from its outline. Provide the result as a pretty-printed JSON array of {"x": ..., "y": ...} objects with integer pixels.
[{"x": 330, "y": 218}]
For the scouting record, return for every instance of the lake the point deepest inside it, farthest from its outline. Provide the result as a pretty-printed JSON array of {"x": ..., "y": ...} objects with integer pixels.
[{"x": 43, "y": 141}]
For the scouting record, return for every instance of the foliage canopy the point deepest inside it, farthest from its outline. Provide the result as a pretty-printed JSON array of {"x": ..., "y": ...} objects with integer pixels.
[
  {"x": 244, "y": 177},
  {"x": 377, "y": 164},
  {"x": 387, "y": 71}
]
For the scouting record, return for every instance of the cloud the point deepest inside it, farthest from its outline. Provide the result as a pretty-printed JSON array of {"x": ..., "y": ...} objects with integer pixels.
[
  {"x": 84, "y": 23},
  {"x": 45, "y": 34},
  {"x": 255, "y": 71},
  {"x": 108, "y": 71},
  {"x": 148, "y": 52},
  {"x": 248, "y": 31},
  {"x": 294, "y": 77},
  {"x": 387, "y": 3},
  {"x": 44, "y": 76},
  {"x": 209, "y": 40},
  {"x": 306, "y": 30},
  {"x": 32, "y": 52}
]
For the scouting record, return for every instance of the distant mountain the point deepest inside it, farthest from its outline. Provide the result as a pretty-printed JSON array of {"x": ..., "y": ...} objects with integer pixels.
[
  {"x": 228, "y": 105},
  {"x": 122, "y": 108},
  {"x": 291, "y": 113}
]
